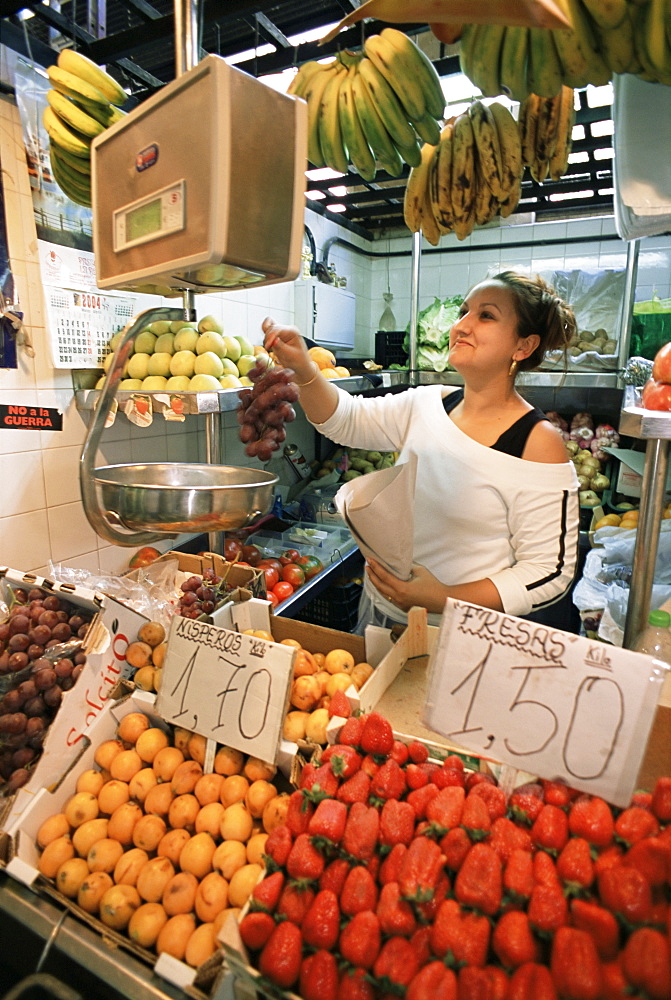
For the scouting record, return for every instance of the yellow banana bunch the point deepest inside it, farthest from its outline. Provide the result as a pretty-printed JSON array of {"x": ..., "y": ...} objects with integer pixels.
[
  {"x": 546, "y": 127},
  {"x": 472, "y": 175}
]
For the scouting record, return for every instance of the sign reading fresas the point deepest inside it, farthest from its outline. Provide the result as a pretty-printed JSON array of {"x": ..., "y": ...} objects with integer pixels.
[
  {"x": 542, "y": 700},
  {"x": 228, "y": 687},
  {"x": 30, "y": 418}
]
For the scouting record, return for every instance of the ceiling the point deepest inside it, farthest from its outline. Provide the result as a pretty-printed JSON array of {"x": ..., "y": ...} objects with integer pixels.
[{"x": 135, "y": 40}]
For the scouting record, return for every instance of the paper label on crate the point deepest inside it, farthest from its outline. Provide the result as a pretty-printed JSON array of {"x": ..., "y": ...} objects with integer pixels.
[
  {"x": 226, "y": 686},
  {"x": 542, "y": 700}
]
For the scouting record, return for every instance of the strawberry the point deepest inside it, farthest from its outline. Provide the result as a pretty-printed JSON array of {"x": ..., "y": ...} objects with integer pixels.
[
  {"x": 295, "y": 901},
  {"x": 545, "y": 870},
  {"x": 328, "y": 821},
  {"x": 550, "y": 829},
  {"x": 615, "y": 985},
  {"x": 445, "y": 776},
  {"x": 475, "y": 818},
  {"x": 359, "y": 891},
  {"x": 321, "y": 924},
  {"x": 652, "y": 857},
  {"x": 574, "y": 866},
  {"x": 445, "y": 809},
  {"x": 318, "y": 977},
  {"x": 627, "y": 893},
  {"x": 494, "y": 798},
  {"x": 299, "y": 812},
  {"x": 421, "y": 942},
  {"x": 350, "y": 734},
  {"x": 355, "y": 789},
  {"x": 418, "y": 752},
  {"x": 661, "y": 799},
  {"x": 391, "y": 865},
  {"x": 642, "y": 799},
  {"x": 395, "y": 914},
  {"x": 488, "y": 983},
  {"x": 455, "y": 845},
  {"x": 591, "y": 817},
  {"x": 474, "y": 778},
  {"x": 646, "y": 962},
  {"x": 397, "y": 963},
  {"x": 462, "y": 934},
  {"x": 415, "y": 777},
  {"x": 513, "y": 941},
  {"x": 354, "y": 985},
  {"x": 575, "y": 965},
  {"x": 334, "y": 875},
  {"x": 266, "y": 894},
  {"x": 399, "y": 753},
  {"x": 345, "y": 760},
  {"x": 278, "y": 844},
  {"x": 610, "y": 857},
  {"x": 518, "y": 877},
  {"x": 255, "y": 929},
  {"x": 479, "y": 881},
  {"x": 339, "y": 705},
  {"x": 434, "y": 981},
  {"x": 322, "y": 782},
  {"x": 633, "y": 824},
  {"x": 531, "y": 981},
  {"x": 526, "y": 802},
  {"x": 397, "y": 823},
  {"x": 360, "y": 940},
  {"x": 548, "y": 909},
  {"x": 556, "y": 792},
  {"x": 389, "y": 782},
  {"x": 507, "y": 837},
  {"x": 419, "y": 798},
  {"x": 420, "y": 868},
  {"x": 305, "y": 861},
  {"x": 427, "y": 910},
  {"x": 600, "y": 923},
  {"x": 361, "y": 831},
  {"x": 377, "y": 736},
  {"x": 281, "y": 956},
  {"x": 370, "y": 764}
]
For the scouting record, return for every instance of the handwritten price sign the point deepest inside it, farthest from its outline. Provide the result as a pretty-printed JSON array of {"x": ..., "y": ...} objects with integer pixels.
[
  {"x": 228, "y": 687},
  {"x": 542, "y": 700}
]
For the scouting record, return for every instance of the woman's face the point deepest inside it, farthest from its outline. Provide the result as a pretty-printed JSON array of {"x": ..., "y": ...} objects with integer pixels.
[{"x": 485, "y": 338}]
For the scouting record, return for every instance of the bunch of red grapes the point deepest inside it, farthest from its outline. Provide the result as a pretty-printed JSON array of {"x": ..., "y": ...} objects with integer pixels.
[
  {"x": 34, "y": 674},
  {"x": 201, "y": 595},
  {"x": 265, "y": 409}
]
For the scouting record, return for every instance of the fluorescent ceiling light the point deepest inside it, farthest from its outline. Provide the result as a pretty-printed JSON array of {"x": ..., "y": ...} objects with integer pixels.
[
  {"x": 336, "y": 208},
  {"x": 322, "y": 174}
]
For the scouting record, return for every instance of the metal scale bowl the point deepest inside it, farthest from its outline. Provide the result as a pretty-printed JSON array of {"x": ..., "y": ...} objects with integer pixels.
[{"x": 138, "y": 504}]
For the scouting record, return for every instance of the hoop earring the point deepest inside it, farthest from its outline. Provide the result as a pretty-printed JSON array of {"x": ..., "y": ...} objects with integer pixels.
[{"x": 512, "y": 371}]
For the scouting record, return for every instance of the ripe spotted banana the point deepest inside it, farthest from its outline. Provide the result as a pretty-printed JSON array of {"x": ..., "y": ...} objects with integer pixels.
[
  {"x": 406, "y": 85},
  {"x": 374, "y": 128},
  {"x": 440, "y": 182},
  {"x": 581, "y": 61},
  {"x": 544, "y": 72},
  {"x": 463, "y": 175},
  {"x": 86, "y": 69},
  {"x": 559, "y": 159},
  {"x": 63, "y": 136},
  {"x": 488, "y": 147},
  {"x": 513, "y": 66},
  {"x": 486, "y": 205},
  {"x": 511, "y": 149},
  {"x": 654, "y": 24},
  {"x": 547, "y": 136},
  {"x": 508, "y": 206},
  {"x": 388, "y": 105},
  {"x": 617, "y": 46},
  {"x": 416, "y": 190},
  {"x": 528, "y": 123},
  {"x": 430, "y": 228},
  {"x": 417, "y": 65},
  {"x": 354, "y": 140},
  {"x": 330, "y": 132},
  {"x": 72, "y": 115}
]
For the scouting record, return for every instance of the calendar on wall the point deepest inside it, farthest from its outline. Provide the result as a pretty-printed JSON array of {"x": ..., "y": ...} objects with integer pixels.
[{"x": 81, "y": 324}]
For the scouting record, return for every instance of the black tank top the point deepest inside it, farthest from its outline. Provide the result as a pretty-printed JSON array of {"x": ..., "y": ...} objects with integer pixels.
[{"x": 512, "y": 441}]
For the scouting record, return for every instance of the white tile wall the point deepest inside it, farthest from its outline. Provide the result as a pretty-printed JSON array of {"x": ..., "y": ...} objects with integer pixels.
[{"x": 41, "y": 517}]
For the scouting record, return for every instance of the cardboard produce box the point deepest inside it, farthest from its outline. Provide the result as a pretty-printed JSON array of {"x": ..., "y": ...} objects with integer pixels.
[
  {"x": 240, "y": 578},
  {"x": 113, "y": 627}
]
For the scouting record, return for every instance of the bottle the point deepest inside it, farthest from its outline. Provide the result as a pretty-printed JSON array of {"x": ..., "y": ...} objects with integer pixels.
[{"x": 655, "y": 639}]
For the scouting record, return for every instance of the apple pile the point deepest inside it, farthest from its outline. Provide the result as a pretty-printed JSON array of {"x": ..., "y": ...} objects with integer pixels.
[
  {"x": 183, "y": 356},
  {"x": 656, "y": 394}
]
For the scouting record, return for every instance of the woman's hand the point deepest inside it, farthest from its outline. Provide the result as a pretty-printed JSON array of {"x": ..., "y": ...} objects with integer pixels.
[
  {"x": 288, "y": 347},
  {"x": 422, "y": 590}
]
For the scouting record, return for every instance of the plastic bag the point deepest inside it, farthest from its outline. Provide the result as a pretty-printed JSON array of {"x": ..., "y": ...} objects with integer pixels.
[
  {"x": 596, "y": 298},
  {"x": 150, "y": 590},
  {"x": 619, "y": 550}
]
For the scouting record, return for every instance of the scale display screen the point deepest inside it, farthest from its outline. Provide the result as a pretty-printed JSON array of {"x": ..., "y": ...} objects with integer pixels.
[{"x": 150, "y": 218}]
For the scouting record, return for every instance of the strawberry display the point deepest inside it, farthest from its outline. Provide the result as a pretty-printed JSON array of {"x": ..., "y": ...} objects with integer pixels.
[{"x": 397, "y": 875}]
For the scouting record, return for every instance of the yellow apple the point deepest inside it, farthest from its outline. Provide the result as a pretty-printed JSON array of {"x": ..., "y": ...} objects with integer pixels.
[
  {"x": 204, "y": 383},
  {"x": 165, "y": 344},
  {"x": 159, "y": 364},
  {"x": 179, "y": 324},
  {"x": 183, "y": 363},
  {"x": 232, "y": 348},
  {"x": 178, "y": 383},
  {"x": 246, "y": 346},
  {"x": 245, "y": 363},
  {"x": 154, "y": 383},
  {"x": 138, "y": 366},
  {"x": 230, "y": 382},
  {"x": 246, "y": 382},
  {"x": 208, "y": 323},
  {"x": 208, "y": 364},
  {"x": 186, "y": 339},
  {"x": 130, "y": 384},
  {"x": 211, "y": 341},
  {"x": 144, "y": 342},
  {"x": 160, "y": 327},
  {"x": 229, "y": 367}
]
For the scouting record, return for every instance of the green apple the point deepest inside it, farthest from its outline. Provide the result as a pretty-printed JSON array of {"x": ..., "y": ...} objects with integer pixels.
[
  {"x": 182, "y": 363},
  {"x": 165, "y": 343},
  {"x": 186, "y": 339},
  {"x": 246, "y": 382},
  {"x": 245, "y": 363},
  {"x": 246, "y": 346},
  {"x": 210, "y": 323},
  {"x": 208, "y": 364},
  {"x": 138, "y": 366},
  {"x": 144, "y": 342},
  {"x": 262, "y": 358},
  {"x": 159, "y": 364},
  {"x": 232, "y": 346},
  {"x": 129, "y": 384},
  {"x": 230, "y": 382},
  {"x": 178, "y": 383},
  {"x": 160, "y": 327},
  {"x": 229, "y": 367},
  {"x": 204, "y": 383},
  {"x": 116, "y": 340},
  {"x": 154, "y": 383},
  {"x": 179, "y": 324},
  {"x": 211, "y": 341}
]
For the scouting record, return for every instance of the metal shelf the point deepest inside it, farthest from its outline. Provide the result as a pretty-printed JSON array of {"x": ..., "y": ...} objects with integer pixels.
[
  {"x": 551, "y": 379},
  {"x": 638, "y": 422}
]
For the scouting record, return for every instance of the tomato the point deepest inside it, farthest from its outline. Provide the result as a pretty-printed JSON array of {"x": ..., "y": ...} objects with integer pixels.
[
  {"x": 656, "y": 395},
  {"x": 661, "y": 369},
  {"x": 293, "y": 574},
  {"x": 144, "y": 556},
  {"x": 282, "y": 590},
  {"x": 232, "y": 549},
  {"x": 270, "y": 562},
  {"x": 273, "y": 598},
  {"x": 251, "y": 554},
  {"x": 271, "y": 575},
  {"x": 310, "y": 565},
  {"x": 289, "y": 556}
]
